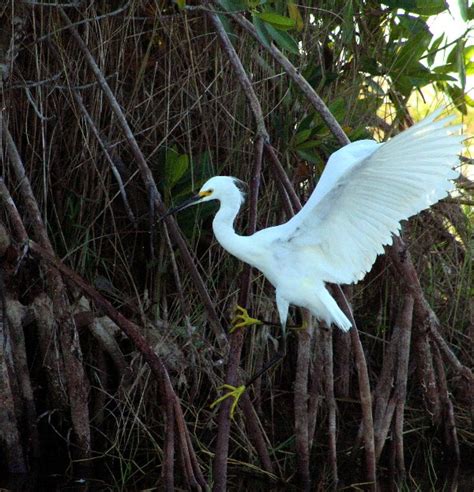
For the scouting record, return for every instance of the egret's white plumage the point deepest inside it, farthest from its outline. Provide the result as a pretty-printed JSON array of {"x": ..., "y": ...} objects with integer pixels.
[{"x": 366, "y": 189}]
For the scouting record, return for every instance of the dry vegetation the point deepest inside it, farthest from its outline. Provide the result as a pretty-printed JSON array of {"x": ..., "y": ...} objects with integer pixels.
[{"x": 113, "y": 342}]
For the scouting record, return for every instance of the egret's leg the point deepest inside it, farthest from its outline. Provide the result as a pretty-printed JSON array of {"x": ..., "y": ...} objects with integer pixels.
[
  {"x": 282, "y": 306},
  {"x": 242, "y": 319},
  {"x": 302, "y": 327}
]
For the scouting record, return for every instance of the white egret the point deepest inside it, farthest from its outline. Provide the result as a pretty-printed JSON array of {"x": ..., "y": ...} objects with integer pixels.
[{"x": 366, "y": 189}]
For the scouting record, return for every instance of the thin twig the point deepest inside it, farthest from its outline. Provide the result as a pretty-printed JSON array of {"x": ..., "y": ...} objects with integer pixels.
[
  {"x": 150, "y": 185},
  {"x": 299, "y": 80},
  {"x": 237, "y": 338},
  {"x": 108, "y": 157}
]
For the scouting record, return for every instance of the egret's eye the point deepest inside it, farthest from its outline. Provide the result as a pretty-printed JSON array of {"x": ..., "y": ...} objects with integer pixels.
[{"x": 202, "y": 194}]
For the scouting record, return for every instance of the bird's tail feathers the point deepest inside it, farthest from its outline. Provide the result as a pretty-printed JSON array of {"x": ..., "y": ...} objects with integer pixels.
[
  {"x": 341, "y": 320},
  {"x": 326, "y": 307}
]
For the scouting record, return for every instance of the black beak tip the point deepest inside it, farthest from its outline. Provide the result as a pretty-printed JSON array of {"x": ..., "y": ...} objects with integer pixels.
[{"x": 187, "y": 203}]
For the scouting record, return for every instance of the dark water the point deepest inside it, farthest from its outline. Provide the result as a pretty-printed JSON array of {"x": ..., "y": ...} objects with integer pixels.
[{"x": 451, "y": 481}]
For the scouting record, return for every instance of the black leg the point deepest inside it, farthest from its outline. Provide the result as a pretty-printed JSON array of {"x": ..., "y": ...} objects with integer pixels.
[{"x": 273, "y": 361}]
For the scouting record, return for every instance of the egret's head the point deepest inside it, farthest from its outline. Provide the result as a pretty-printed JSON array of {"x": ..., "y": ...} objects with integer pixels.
[{"x": 222, "y": 188}]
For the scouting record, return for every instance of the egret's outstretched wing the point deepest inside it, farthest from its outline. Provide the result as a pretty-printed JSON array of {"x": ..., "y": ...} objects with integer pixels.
[{"x": 345, "y": 224}]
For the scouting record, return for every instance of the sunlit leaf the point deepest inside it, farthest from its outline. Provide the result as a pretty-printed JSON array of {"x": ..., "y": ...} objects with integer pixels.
[
  {"x": 295, "y": 14},
  {"x": 460, "y": 63},
  {"x": 463, "y": 9},
  {"x": 458, "y": 97},
  {"x": 278, "y": 21},
  {"x": 411, "y": 52},
  {"x": 469, "y": 100},
  {"x": 422, "y": 7},
  {"x": 433, "y": 49},
  {"x": 469, "y": 54},
  {"x": 412, "y": 24}
]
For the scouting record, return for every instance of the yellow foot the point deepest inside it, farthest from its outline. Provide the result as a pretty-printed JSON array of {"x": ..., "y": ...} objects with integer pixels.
[
  {"x": 242, "y": 319},
  {"x": 303, "y": 327},
  {"x": 235, "y": 392}
]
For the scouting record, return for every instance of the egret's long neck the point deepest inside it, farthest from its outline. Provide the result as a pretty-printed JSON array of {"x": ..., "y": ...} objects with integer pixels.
[{"x": 223, "y": 226}]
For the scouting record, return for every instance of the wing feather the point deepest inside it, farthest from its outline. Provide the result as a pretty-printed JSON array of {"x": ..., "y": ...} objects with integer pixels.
[{"x": 346, "y": 223}]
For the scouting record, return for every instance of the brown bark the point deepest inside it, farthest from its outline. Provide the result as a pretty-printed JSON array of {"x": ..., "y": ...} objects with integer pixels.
[
  {"x": 133, "y": 333},
  {"x": 327, "y": 335},
  {"x": 405, "y": 323},
  {"x": 15, "y": 312},
  {"x": 364, "y": 389},
  {"x": 301, "y": 404},
  {"x": 10, "y": 439},
  {"x": 315, "y": 390},
  {"x": 75, "y": 377}
]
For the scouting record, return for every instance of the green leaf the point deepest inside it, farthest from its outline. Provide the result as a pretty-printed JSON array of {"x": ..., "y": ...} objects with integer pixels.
[
  {"x": 283, "y": 39},
  {"x": 262, "y": 32},
  {"x": 309, "y": 156},
  {"x": 411, "y": 24},
  {"x": 338, "y": 108},
  {"x": 295, "y": 14},
  {"x": 301, "y": 136},
  {"x": 376, "y": 87},
  {"x": 448, "y": 68},
  {"x": 309, "y": 144},
  {"x": 277, "y": 21},
  {"x": 347, "y": 30},
  {"x": 422, "y": 7},
  {"x": 306, "y": 122},
  {"x": 411, "y": 52},
  {"x": 469, "y": 54},
  {"x": 460, "y": 63},
  {"x": 463, "y": 9},
  {"x": 176, "y": 165},
  {"x": 233, "y": 5},
  {"x": 457, "y": 58},
  {"x": 433, "y": 49},
  {"x": 181, "y": 4},
  {"x": 458, "y": 97},
  {"x": 469, "y": 100},
  {"x": 417, "y": 76}
]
